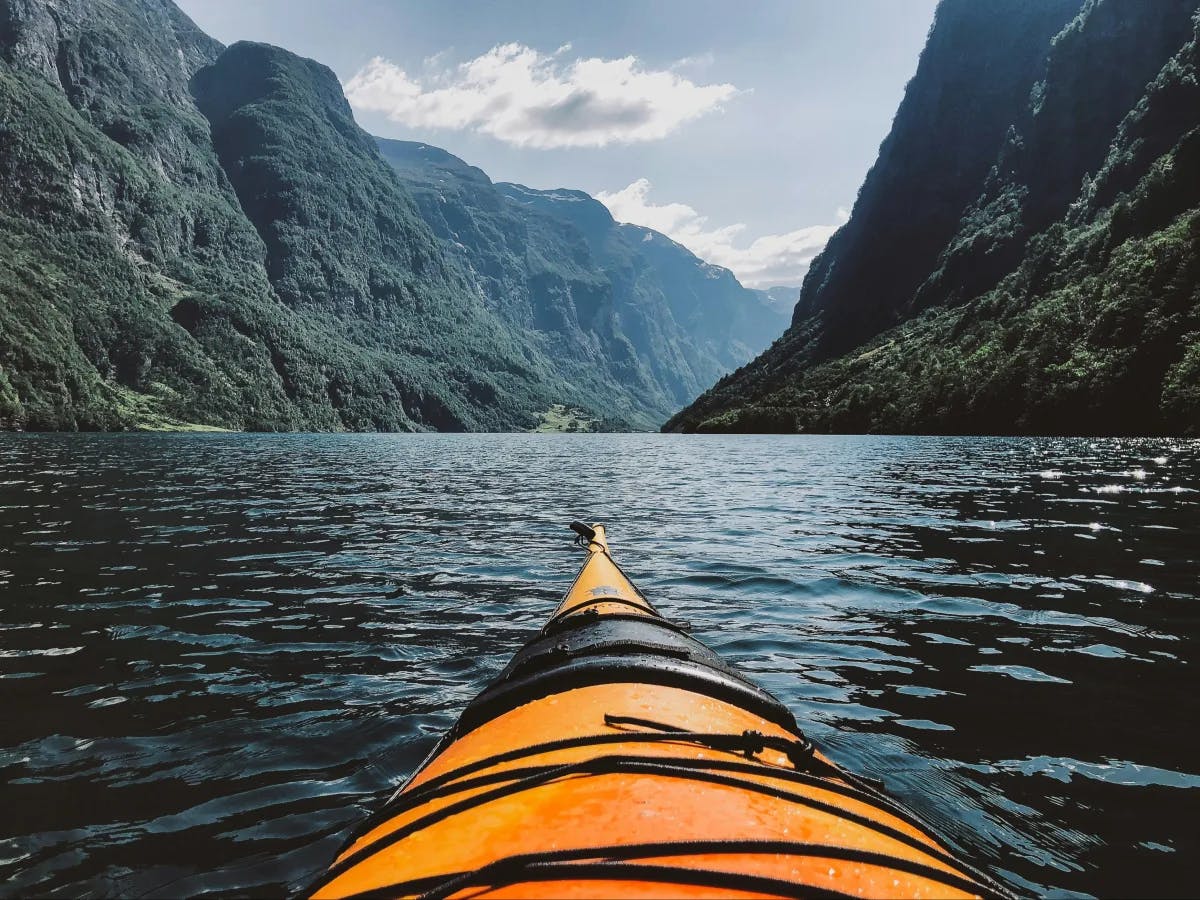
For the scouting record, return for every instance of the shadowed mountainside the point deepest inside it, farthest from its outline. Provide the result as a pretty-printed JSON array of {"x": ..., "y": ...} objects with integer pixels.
[{"x": 1022, "y": 257}]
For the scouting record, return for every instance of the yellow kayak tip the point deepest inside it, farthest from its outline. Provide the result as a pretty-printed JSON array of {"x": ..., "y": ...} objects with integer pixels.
[{"x": 618, "y": 757}]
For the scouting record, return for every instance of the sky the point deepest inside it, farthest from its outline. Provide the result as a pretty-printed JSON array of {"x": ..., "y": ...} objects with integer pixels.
[{"x": 740, "y": 129}]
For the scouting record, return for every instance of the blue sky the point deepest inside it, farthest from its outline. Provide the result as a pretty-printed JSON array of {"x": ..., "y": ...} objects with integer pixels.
[{"x": 742, "y": 129}]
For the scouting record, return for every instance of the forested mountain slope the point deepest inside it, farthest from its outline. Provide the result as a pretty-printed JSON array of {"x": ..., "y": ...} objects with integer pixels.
[
  {"x": 346, "y": 248},
  {"x": 1044, "y": 280},
  {"x": 198, "y": 236},
  {"x": 151, "y": 280}
]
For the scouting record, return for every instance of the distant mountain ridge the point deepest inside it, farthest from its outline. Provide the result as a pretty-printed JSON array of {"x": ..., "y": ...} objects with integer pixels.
[
  {"x": 624, "y": 311},
  {"x": 199, "y": 236},
  {"x": 780, "y": 297},
  {"x": 1022, "y": 258},
  {"x": 661, "y": 288}
]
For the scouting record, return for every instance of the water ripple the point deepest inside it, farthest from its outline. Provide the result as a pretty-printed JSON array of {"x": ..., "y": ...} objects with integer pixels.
[{"x": 219, "y": 651}]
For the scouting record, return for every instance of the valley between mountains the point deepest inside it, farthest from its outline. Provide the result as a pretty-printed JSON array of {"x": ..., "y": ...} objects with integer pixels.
[{"x": 195, "y": 236}]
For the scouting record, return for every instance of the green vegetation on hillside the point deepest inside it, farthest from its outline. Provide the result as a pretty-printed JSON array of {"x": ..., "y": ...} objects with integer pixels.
[
  {"x": 1094, "y": 329},
  {"x": 560, "y": 419},
  {"x": 535, "y": 273},
  {"x": 200, "y": 236},
  {"x": 347, "y": 248}
]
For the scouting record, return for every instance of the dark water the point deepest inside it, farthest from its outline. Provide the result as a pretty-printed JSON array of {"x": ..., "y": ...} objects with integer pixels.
[{"x": 218, "y": 652}]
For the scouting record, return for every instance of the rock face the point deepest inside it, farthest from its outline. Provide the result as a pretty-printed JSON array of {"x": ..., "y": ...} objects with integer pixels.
[
  {"x": 198, "y": 236},
  {"x": 116, "y": 211},
  {"x": 684, "y": 317},
  {"x": 972, "y": 81},
  {"x": 1022, "y": 257}
]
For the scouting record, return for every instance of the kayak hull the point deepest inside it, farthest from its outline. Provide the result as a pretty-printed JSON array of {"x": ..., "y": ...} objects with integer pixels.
[{"x": 616, "y": 756}]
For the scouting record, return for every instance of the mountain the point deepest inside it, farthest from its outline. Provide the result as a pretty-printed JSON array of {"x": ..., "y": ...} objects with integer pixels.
[
  {"x": 620, "y": 308},
  {"x": 200, "y": 236},
  {"x": 347, "y": 249},
  {"x": 781, "y": 299},
  {"x": 165, "y": 267},
  {"x": 1022, "y": 257},
  {"x": 729, "y": 323}
]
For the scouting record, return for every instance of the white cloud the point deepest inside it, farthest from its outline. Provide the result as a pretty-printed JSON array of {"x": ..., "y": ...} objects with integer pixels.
[
  {"x": 532, "y": 99},
  {"x": 772, "y": 259}
]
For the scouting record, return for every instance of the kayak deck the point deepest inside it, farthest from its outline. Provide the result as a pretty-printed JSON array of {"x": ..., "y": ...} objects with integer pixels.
[{"x": 616, "y": 756}]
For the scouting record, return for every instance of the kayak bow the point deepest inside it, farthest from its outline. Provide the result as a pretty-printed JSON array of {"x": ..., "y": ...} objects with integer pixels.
[{"x": 616, "y": 756}]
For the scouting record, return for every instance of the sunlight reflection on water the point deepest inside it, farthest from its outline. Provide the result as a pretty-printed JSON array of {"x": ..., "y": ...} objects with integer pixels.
[{"x": 219, "y": 652}]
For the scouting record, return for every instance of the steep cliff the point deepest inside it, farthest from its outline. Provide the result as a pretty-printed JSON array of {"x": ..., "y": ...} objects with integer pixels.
[
  {"x": 115, "y": 210},
  {"x": 1096, "y": 71},
  {"x": 346, "y": 248},
  {"x": 972, "y": 82},
  {"x": 1061, "y": 296}
]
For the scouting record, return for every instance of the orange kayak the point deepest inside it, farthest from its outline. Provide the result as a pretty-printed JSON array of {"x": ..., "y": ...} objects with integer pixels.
[{"x": 618, "y": 757}]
